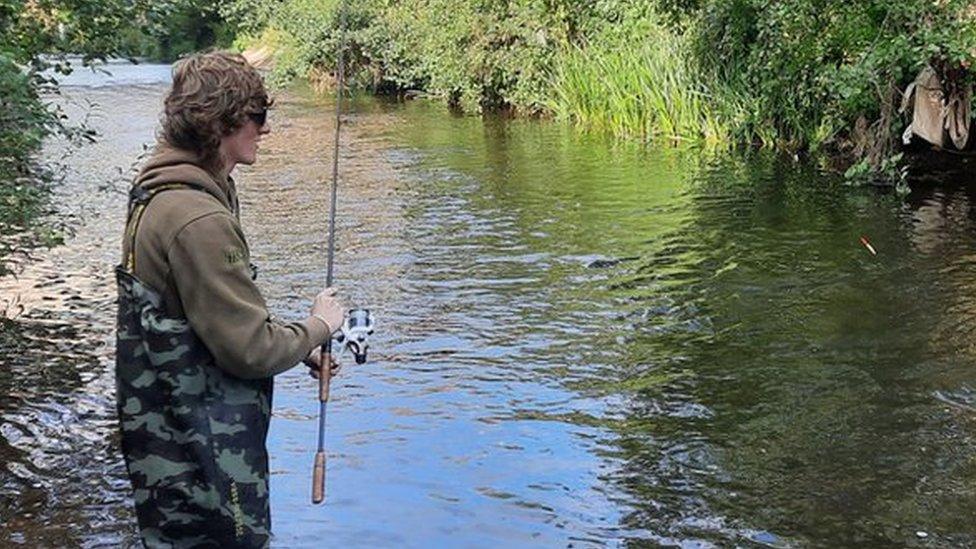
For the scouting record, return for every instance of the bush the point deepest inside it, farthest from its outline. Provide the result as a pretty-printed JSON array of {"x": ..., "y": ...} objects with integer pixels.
[
  {"x": 799, "y": 75},
  {"x": 814, "y": 67},
  {"x": 36, "y": 39},
  {"x": 475, "y": 55},
  {"x": 24, "y": 120}
]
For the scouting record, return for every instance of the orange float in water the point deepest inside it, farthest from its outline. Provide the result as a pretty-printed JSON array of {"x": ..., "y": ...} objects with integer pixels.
[{"x": 867, "y": 244}]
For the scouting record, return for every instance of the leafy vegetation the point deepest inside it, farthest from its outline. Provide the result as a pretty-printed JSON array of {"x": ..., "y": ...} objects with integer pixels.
[
  {"x": 803, "y": 75},
  {"x": 641, "y": 83},
  {"x": 815, "y": 68},
  {"x": 474, "y": 56},
  {"x": 40, "y": 41},
  {"x": 175, "y": 28}
]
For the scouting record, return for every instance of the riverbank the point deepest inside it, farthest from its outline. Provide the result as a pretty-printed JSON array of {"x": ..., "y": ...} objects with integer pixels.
[{"x": 803, "y": 78}]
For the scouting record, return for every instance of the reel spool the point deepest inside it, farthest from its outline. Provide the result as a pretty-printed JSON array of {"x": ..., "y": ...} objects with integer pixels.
[{"x": 355, "y": 332}]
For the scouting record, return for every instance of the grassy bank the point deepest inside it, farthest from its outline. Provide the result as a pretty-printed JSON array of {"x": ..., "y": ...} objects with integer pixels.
[
  {"x": 642, "y": 84},
  {"x": 805, "y": 75}
]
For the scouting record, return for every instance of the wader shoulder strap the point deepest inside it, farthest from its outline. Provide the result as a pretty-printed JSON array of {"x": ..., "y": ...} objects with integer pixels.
[{"x": 138, "y": 201}]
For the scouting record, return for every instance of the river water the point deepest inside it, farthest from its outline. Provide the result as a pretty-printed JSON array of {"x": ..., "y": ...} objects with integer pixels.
[{"x": 579, "y": 343}]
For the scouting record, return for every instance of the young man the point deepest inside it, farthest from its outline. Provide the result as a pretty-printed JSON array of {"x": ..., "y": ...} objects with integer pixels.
[{"x": 197, "y": 349}]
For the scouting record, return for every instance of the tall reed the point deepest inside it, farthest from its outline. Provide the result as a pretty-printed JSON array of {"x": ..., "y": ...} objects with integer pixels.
[{"x": 643, "y": 86}]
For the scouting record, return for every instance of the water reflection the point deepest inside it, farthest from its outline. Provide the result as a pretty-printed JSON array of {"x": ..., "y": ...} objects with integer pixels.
[{"x": 770, "y": 381}]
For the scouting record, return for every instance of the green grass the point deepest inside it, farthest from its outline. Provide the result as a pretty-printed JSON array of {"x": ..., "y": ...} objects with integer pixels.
[{"x": 646, "y": 88}]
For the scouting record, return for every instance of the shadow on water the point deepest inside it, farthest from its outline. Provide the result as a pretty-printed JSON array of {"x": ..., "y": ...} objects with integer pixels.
[{"x": 802, "y": 402}]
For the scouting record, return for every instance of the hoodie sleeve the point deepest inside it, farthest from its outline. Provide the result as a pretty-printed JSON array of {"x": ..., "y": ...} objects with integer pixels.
[{"x": 210, "y": 266}]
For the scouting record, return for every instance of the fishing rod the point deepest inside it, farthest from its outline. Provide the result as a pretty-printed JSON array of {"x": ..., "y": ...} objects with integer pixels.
[{"x": 358, "y": 323}]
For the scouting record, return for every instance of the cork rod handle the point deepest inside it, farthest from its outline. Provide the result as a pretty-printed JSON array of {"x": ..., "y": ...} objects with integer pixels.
[{"x": 318, "y": 478}]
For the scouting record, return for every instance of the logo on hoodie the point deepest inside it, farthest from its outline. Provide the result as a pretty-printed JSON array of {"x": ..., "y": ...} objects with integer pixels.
[{"x": 235, "y": 256}]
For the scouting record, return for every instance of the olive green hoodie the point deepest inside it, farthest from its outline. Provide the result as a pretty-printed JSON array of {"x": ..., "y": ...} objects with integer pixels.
[{"x": 190, "y": 248}]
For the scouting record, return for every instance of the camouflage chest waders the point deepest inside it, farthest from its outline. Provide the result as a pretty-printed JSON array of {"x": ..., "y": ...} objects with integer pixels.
[{"x": 193, "y": 436}]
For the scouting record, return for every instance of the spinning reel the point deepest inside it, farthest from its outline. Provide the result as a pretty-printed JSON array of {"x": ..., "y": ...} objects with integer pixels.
[{"x": 355, "y": 332}]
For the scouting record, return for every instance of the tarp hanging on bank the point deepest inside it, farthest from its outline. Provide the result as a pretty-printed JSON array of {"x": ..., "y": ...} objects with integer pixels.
[{"x": 936, "y": 118}]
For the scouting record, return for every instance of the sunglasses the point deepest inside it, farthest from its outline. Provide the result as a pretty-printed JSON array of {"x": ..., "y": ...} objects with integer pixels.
[{"x": 259, "y": 117}]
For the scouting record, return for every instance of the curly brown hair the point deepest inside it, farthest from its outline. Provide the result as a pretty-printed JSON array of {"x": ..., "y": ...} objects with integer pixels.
[{"x": 211, "y": 97}]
